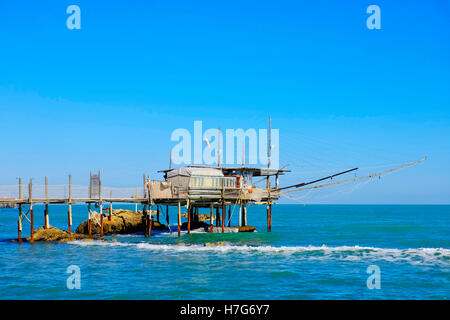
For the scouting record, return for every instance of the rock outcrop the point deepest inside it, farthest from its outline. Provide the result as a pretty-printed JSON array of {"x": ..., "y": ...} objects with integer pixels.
[
  {"x": 53, "y": 234},
  {"x": 122, "y": 222}
]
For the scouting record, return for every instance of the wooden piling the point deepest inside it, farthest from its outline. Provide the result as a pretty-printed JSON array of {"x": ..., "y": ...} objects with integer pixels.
[
  {"x": 240, "y": 214},
  {"x": 179, "y": 218},
  {"x": 189, "y": 218},
  {"x": 136, "y": 205},
  {"x": 19, "y": 225},
  {"x": 30, "y": 195},
  {"x": 167, "y": 216},
  {"x": 32, "y": 223},
  {"x": 229, "y": 215},
  {"x": 150, "y": 222},
  {"x": 70, "y": 205},
  {"x": 110, "y": 207},
  {"x": 211, "y": 227},
  {"x": 223, "y": 217},
  {"x": 217, "y": 216},
  {"x": 46, "y": 218},
  {"x": 244, "y": 214},
  {"x": 101, "y": 225},
  {"x": 90, "y": 219},
  {"x": 144, "y": 211},
  {"x": 269, "y": 217}
]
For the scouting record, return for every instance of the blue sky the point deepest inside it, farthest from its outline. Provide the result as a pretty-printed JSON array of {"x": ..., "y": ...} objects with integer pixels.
[{"x": 108, "y": 96}]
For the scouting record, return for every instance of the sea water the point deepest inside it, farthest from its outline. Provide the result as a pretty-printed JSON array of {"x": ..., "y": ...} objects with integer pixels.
[{"x": 313, "y": 252}]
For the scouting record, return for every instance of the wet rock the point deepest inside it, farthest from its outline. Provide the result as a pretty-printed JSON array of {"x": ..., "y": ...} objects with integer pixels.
[
  {"x": 122, "y": 222},
  {"x": 53, "y": 234}
]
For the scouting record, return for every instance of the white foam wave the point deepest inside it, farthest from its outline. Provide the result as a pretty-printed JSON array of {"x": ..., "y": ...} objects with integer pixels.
[{"x": 419, "y": 256}]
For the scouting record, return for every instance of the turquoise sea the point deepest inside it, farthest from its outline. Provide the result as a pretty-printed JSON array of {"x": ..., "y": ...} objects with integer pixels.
[{"x": 313, "y": 252}]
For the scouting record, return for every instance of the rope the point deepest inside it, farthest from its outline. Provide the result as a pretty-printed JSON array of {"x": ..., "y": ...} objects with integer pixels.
[{"x": 356, "y": 179}]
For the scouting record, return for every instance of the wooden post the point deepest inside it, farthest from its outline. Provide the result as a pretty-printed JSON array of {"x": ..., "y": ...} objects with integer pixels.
[
  {"x": 90, "y": 219},
  {"x": 269, "y": 206},
  {"x": 195, "y": 215},
  {"x": 70, "y": 205},
  {"x": 46, "y": 218},
  {"x": 240, "y": 214},
  {"x": 179, "y": 218},
  {"x": 211, "y": 213},
  {"x": 269, "y": 221},
  {"x": 217, "y": 216},
  {"x": 189, "y": 218},
  {"x": 167, "y": 216},
  {"x": 89, "y": 205},
  {"x": 218, "y": 150},
  {"x": 223, "y": 217},
  {"x": 100, "y": 189},
  {"x": 150, "y": 222},
  {"x": 136, "y": 205},
  {"x": 32, "y": 222},
  {"x": 20, "y": 189},
  {"x": 101, "y": 225},
  {"x": 19, "y": 225},
  {"x": 229, "y": 215},
  {"x": 110, "y": 206},
  {"x": 144, "y": 211},
  {"x": 244, "y": 214},
  {"x": 145, "y": 193},
  {"x": 30, "y": 194}
]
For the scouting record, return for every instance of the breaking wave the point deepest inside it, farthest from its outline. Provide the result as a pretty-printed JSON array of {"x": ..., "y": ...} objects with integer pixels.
[{"x": 416, "y": 256}]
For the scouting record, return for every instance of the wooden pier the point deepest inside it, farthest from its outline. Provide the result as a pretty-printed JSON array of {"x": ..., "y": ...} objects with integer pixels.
[{"x": 194, "y": 187}]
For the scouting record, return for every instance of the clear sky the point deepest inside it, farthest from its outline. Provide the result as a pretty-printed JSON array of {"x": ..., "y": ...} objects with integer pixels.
[{"x": 109, "y": 95}]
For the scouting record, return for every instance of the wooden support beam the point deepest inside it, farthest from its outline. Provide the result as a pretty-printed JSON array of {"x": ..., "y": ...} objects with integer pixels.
[
  {"x": 211, "y": 213},
  {"x": 223, "y": 217},
  {"x": 217, "y": 216},
  {"x": 19, "y": 225},
  {"x": 150, "y": 222},
  {"x": 240, "y": 214},
  {"x": 110, "y": 207},
  {"x": 90, "y": 219},
  {"x": 167, "y": 216},
  {"x": 244, "y": 214},
  {"x": 144, "y": 211},
  {"x": 101, "y": 225},
  {"x": 70, "y": 205},
  {"x": 32, "y": 223},
  {"x": 30, "y": 199},
  {"x": 269, "y": 217},
  {"x": 136, "y": 205},
  {"x": 46, "y": 218},
  {"x": 189, "y": 218},
  {"x": 229, "y": 215},
  {"x": 69, "y": 229},
  {"x": 179, "y": 218}
]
